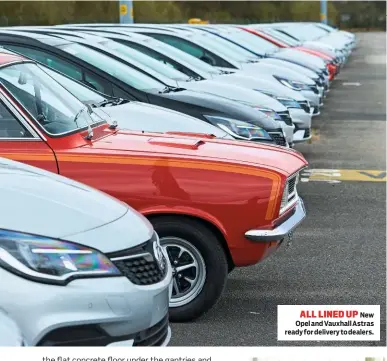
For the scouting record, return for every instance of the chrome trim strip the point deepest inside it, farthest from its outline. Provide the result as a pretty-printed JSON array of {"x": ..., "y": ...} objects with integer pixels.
[
  {"x": 280, "y": 232},
  {"x": 138, "y": 255}
]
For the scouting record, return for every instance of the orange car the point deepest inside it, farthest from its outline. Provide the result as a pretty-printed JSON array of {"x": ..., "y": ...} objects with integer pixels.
[{"x": 215, "y": 204}]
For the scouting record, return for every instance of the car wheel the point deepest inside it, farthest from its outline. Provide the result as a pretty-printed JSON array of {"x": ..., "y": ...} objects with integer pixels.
[{"x": 199, "y": 266}]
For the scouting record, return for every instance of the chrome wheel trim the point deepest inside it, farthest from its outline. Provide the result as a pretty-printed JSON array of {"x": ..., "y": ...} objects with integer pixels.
[{"x": 188, "y": 270}]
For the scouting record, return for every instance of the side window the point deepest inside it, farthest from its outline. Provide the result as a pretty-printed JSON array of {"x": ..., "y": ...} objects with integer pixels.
[
  {"x": 119, "y": 93},
  {"x": 10, "y": 127},
  {"x": 65, "y": 67},
  {"x": 181, "y": 44},
  {"x": 164, "y": 59},
  {"x": 97, "y": 83},
  {"x": 50, "y": 60}
]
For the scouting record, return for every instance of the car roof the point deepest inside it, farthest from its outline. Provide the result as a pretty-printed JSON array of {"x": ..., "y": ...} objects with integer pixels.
[
  {"x": 28, "y": 36},
  {"x": 69, "y": 34}
]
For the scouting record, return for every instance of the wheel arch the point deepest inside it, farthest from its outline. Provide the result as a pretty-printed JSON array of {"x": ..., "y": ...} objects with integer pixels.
[{"x": 205, "y": 222}]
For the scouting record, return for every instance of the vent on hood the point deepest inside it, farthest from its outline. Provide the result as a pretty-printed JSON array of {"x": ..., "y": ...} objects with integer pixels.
[
  {"x": 189, "y": 134},
  {"x": 177, "y": 142}
]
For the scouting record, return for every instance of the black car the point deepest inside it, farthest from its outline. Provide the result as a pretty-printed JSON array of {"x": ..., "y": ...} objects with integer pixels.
[{"x": 114, "y": 78}]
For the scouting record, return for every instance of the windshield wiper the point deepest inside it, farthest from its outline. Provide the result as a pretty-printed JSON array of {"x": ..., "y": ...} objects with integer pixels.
[
  {"x": 79, "y": 114},
  {"x": 105, "y": 102},
  {"x": 169, "y": 89},
  {"x": 221, "y": 72},
  {"x": 194, "y": 78},
  {"x": 252, "y": 61}
]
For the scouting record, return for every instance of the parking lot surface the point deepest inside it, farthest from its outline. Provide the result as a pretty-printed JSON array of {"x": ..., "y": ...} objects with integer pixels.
[{"x": 339, "y": 253}]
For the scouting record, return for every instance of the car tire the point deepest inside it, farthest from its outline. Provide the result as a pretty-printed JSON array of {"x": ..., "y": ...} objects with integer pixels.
[{"x": 189, "y": 242}]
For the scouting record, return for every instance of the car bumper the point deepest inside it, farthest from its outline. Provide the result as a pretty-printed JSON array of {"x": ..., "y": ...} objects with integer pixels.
[
  {"x": 282, "y": 230},
  {"x": 311, "y": 96},
  {"x": 288, "y": 131},
  {"x": 301, "y": 118},
  {"x": 302, "y": 135},
  {"x": 88, "y": 312}
]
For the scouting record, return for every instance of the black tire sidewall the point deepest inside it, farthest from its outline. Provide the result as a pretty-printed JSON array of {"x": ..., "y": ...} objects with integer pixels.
[{"x": 215, "y": 260}]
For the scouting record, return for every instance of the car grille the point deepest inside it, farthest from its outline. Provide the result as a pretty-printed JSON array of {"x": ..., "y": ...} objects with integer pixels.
[
  {"x": 319, "y": 82},
  {"x": 307, "y": 133},
  {"x": 94, "y": 335},
  {"x": 314, "y": 89},
  {"x": 290, "y": 195},
  {"x": 285, "y": 117},
  {"x": 153, "y": 336},
  {"x": 316, "y": 110},
  {"x": 278, "y": 138},
  {"x": 140, "y": 265},
  {"x": 304, "y": 104}
]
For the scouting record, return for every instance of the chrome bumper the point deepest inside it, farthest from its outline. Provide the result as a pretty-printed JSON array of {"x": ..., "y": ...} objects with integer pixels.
[{"x": 280, "y": 232}]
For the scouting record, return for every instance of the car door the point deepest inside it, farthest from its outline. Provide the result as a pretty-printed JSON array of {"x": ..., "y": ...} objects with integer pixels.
[{"x": 20, "y": 141}]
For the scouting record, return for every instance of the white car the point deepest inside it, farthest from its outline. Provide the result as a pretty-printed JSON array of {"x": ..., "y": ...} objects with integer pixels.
[
  {"x": 68, "y": 264},
  {"x": 158, "y": 52}
]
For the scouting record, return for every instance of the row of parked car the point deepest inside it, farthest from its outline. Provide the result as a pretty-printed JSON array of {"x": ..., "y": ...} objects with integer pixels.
[{"x": 142, "y": 163}]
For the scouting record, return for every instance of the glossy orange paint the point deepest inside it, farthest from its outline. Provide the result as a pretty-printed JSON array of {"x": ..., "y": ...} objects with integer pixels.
[{"x": 235, "y": 186}]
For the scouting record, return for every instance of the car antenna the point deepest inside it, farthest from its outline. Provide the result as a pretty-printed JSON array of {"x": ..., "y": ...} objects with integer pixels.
[{"x": 90, "y": 133}]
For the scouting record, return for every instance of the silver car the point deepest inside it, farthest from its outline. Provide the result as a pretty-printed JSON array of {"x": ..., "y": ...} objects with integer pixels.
[
  {"x": 10, "y": 334},
  {"x": 92, "y": 267}
]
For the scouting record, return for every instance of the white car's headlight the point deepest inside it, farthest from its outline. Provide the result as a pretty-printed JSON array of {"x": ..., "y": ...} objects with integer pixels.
[
  {"x": 238, "y": 128},
  {"x": 269, "y": 112},
  {"x": 292, "y": 84},
  {"x": 286, "y": 101},
  {"x": 49, "y": 260}
]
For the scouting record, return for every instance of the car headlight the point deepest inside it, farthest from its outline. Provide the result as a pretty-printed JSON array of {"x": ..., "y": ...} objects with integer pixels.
[
  {"x": 269, "y": 112},
  {"x": 49, "y": 260},
  {"x": 293, "y": 84},
  {"x": 286, "y": 101},
  {"x": 238, "y": 128}
]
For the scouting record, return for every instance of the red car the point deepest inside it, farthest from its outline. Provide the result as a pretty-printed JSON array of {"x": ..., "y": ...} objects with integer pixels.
[
  {"x": 215, "y": 204},
  {"x": 332, "y": 68}
]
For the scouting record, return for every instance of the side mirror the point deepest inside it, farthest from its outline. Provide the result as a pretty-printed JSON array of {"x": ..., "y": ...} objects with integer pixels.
[{"x": 10, "y": 334}]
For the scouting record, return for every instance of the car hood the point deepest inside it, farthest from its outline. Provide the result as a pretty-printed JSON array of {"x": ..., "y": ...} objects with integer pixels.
[
  {"x": 257, "y": 68},
  {"x": 39, "y": 202},
  {"x": 152, "y": 118},
  {"x": 302, "y": 58},
  {"x": 185, "y": 148},
  {"x": 264, "y": 82},
  {"x": 295, "y": 68},
  {"x": 235, "y": 92},
  {"x": 319, "y": 44},
  {"x": 197, "y": 104}
]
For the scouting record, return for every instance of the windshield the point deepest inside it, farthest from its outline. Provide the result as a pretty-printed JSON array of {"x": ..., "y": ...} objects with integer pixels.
[
  {"x": 222, "y": 46},
  {"x": 286, "y": 38},
  {"x": 304, "y": 32},
  {"x": 254, "y": 42},
  {"x": 145, "y": 60},
  {"x": 168, "y": 50},
  {"x": 128, "y": 75},
  {"x": 55, "y": 109},
  {"x": 177, "y": 54},
  {"x": 83, "y": 93}
]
